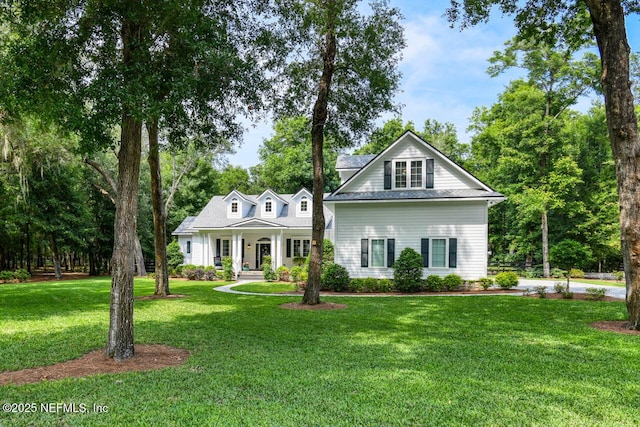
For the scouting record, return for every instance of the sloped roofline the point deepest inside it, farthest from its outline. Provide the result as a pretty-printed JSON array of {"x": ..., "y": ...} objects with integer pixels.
[
  {"x": 273, "y": 193},
  {"x": 437, "y": 152},
  {"x": 302, "y": 190},
  {"x": 240, "y": 195}
]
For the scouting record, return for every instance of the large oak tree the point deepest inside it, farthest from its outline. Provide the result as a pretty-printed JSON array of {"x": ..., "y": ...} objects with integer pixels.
[{"x": 573, "y": 21}]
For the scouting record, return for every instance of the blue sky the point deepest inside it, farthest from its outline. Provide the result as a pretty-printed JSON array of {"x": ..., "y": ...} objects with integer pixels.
[{"x": 444, "y": 71}]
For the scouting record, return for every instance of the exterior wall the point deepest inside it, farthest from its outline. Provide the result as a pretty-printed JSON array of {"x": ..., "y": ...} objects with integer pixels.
[
  {"x": 445, "y": 177},
  {"x": 408, "y": 223},
  {"x": 182, "y": 241}
]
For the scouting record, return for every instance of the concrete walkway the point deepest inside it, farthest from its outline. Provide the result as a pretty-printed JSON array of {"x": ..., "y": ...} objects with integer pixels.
[{"x": 612, "y": 291}]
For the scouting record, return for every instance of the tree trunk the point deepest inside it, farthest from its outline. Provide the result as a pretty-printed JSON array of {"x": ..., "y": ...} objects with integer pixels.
[
  {"x": 545, "y": 245},
  {"x": 159, "y": 214},
  {"x": 312, "y": 291},
  {"x": 141, "y": 270},
  {"x": 56, "y": 258},
  {"x": 120, "y": 341},
  {"x": 609, "y": 27}
]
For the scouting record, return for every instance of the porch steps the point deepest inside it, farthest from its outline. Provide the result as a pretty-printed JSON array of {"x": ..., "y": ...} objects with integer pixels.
[{"x": 250, "y": 275}]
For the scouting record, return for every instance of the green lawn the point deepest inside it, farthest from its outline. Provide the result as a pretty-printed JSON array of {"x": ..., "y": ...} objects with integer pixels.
[
  {"x": 266, "y": 287},
  {"x": 489, "y": 360}
]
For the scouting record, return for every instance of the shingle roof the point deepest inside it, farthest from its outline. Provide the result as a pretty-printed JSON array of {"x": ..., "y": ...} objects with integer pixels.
[
  {"x": 214, "y": 215},
  {"x": 185, "y": 226},
  {"x": 353, "y": 162},
  {"x": 414, "y": 195}
]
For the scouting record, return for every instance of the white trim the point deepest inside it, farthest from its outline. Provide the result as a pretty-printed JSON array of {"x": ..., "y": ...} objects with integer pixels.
[{"x": 384, "y": 252}]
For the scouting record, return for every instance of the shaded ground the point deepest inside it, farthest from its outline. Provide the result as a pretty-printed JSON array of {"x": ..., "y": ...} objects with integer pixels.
[
  {"x": 147, "y": 357},
  {"x": 321, "y": 306}
]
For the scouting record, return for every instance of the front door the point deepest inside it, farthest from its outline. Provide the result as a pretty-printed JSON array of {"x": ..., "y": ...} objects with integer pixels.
[{"x": 262, "y": 250}]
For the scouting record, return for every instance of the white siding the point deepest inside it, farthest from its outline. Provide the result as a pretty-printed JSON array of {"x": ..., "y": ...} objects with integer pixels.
[
  {"x": 446, "y": 176},
  {"x": 408, "y": 223},
  {"x": 182, "y": 241}
]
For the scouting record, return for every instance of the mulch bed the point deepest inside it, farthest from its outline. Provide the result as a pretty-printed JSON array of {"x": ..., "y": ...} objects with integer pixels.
[
  {"x": 147, "y": 357},
  {"x": 619, "y": 326},
  {"x": 576, "y": 295}
]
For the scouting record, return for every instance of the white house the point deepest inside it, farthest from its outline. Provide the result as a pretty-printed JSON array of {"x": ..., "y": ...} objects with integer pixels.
[{"x": 410, "y": 195}]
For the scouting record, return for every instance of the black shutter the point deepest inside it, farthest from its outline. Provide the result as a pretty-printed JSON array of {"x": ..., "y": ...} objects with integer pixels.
[
  {"x": 429, "y": 169},
  {"x": 242, "y": 256},
  {"x": 364, "y": 253},
  {"x": 453, "y": 253},
  {"x": 391, "y": 252},
  {"x": 217, "y": 247},
  {"x": 288, "y": 248},
  {"x": 387, "y": 175},
  {"x": 424, "y": 250}
]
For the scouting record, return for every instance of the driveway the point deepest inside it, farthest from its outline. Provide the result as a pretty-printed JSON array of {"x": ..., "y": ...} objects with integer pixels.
[{"x": 575, "y": 286}]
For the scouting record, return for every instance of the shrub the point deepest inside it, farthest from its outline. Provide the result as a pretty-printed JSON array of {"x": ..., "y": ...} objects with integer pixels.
[
  {"x": 22, "y": 275},
  {"x": 327, "y": 253},
  {"x": 619, "y": 275},
  {"x": 557, "y": 273},
  {"x": 407, "y": 273},
  {"x": 335, "y": 277},
  {"x": 567, "y": 294},
  {"x": 434, "y": 283},
  {"x": 541, "y": 291},
  {"x": 175, "y": 257},
  {"x": 595, "y": 294},
  {"x": 294, "y": 273},
  {"x": 6, "y": 276},
  {"x": 299, "y": 260},
  {"x": 533, "y": 273},
  {"x": 282, "y": 273},
  {"x": 485, "y": 283},
  {"x": 210, "y": 273},
  {"x": 267, "y": 269},
  {"x": 199, "y": 273},
  {"x": 576, "y": 273},
  {"x": 559, "y": 287},
  {"x": 189, "y": 271},
  {"x": 451, "y": 282},
  {"x": 178, "y": 270},
  {"x": 384, "y": 285},
  {"x": 507, "y": 280},
  {"x": 227, "y": 268},
  {"x": 356, "y": 285}
]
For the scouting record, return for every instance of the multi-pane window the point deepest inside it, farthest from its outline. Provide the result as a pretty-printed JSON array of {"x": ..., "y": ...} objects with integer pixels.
[
  {"x": 267, "y": 205},
  {"x": 438, "y": 252},
  {"x": 188, "y": 246},
  {"x": 226, "y": 248},
  {"x": 377, "y": 253},
  {"x": 304, "y": 204},
  {"x": 301, "y": 248},
  {"x": 401, "y": 174},
  {"x": 234, "y": 205},
  {"x": 416, "y": 174}
]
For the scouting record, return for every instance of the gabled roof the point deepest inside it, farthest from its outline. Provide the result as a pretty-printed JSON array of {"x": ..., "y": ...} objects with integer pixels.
[
  {"x": 185, "y": 226},
  {"x": 239, "y": 195},
  {"x": 344, "y": 193},
  {"x": 302, "y": 191},
  {"x": 214, "y": 215},
  {"x": 354, "y": 161},
  {"x": 273, "y": 194}
]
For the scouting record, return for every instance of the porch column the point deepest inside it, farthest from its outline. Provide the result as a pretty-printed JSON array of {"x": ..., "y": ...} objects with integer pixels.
[
  {"x": 236, "y": 251},
  {"x": 273, "y": 250},
  {"x": 279, "y": 249}
]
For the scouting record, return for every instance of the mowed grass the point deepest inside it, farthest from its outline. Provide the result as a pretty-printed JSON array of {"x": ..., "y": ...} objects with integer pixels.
[
  {"x": 384, "y": 361},
  {"x": 267, "y": 287}
]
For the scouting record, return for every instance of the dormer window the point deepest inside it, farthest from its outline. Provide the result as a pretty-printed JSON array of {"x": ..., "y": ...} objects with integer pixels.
[
  {"x": 234, "y": 205},
  {"x": 267, "y": 205},
  {"x": 304, "y": 204}
]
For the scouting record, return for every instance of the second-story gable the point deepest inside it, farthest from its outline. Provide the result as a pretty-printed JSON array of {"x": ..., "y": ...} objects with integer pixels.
[
  {"x": 271, "y": 204},
  {"x": 408, "y": 164}
]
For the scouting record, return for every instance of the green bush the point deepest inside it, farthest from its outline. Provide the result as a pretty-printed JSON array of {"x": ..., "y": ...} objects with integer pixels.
[
  {"x": 6, "y": 276},
  {"x": 541, "y": 291},
  {"x": 451, "y": 282},
  {"x": 619, "y": 275},
  {"x": 282, "y": 273},
  {"x": 384, "y": 285},
  {"x": 227, "y": 269},
  {"x": 507, "y": 280},
  {"x": 407, "y": 273},
  {"x": 299, "y": 260},
  {"x": 267, "y": 269},
  {"x": 434, "y": 283},
  {"x": 22, "y": 275},
  {"x": 294, "y": 273},
  {"x": 559, "y": 287},
  {"x": 335, "y": 277},
  {"x": 210, "y": 273},
  {"x": 178, "y": 270},
  {"x": 557, "y": 273},
  {"x": 576, "y": 273},
  {"x": 485, "y": 283},
  {"x": 356, "y": 285},
  {"x": 595, "y": 294},
  {"x": 175, "y": 257}
]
